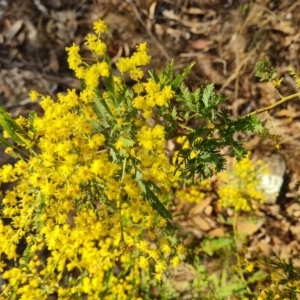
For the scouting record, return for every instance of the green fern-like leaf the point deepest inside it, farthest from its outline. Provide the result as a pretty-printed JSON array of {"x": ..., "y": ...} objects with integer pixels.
[
  {"x": 110, "y": 87},
  {"x": 176, "y": 83},
  {"x": 127, "y": 142},
  {"x": 207, "y": 93},
  {"x": 170, "y": 70},
  {"x": 26, "y": 256},
  {"x": 5, "y": 143},
  {"x": 14, "y": 130},
  {"x": 153, "y": 76},
  {"x": 156, "y": 204},
  {"x": 120, "y": 98},
  {"x": 103, "y": 102},
  {"x": 32, "y": 116},
  {"x": 223, "y": 116},
  {"x": 100, "y": 111},
  {"x": 197, "y": 95},
  {"x": 264, "y": 71},
  {"x": 174, "y": 113}
]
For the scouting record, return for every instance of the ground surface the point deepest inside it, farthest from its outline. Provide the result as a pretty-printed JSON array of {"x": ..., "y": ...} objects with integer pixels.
[{"x": 225, "y": 38}]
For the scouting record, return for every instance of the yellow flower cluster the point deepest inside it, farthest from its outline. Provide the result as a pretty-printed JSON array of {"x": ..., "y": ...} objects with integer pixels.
[
  {"x": 148, "y": 94},
  {"x": 132, "y": 64},
  {"x": 295, "y": 75},
  {"x": 72, "y": 198},
  {"x": 240, "y": 185},
  {"x": 193, "y": 193}
]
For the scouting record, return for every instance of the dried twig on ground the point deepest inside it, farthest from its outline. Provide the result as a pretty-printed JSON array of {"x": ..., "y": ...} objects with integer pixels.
[{"x": 155, "y": 40}]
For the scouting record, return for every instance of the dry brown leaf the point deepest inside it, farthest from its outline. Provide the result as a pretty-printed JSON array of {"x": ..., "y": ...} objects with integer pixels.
[
  {"x": 268, "y": 92},
  {"x": 21, "y": 37},
  {"x": 31, "y": 32},
  {"x": 295, "y": 247},
  {"x": 13, "y": 30},
  {"x": 274, "y": 210},
  {"x": 237, "y": 43},
  {"x": 54, "y": 63},
  {"x": 208, "y": 210},
  {"x": 295, "y": 229},
  {"x": 175, "y": 33},
  {"x": 289, "y": 40},
  {"x": 170, "y": 15},
  {"x": 296, "y": 263},
  {"x": 66, "y": 25},
  {"x": 276, "y": 240},
  {"x": 291, "y": 209},
  {"x": 189, "y": 229},
  {"x": 61, "y": 33},
  {"x": 201, "y": 223},
  {"x": 284, "y": 27},
  {"x": 200, "y": 27},
  {"x": 248, "y": 227},
  {"x": 145, "y": 4},
  {"x": 212, "y": 223},
  {"x": 285, "y": 225},
  {"x": 288, "y": 113},
  {"x": 199, "y": 208},
  {"x": 41, "y": 7},
  {"x": 5, "y": 89},
  {"x": 285, "y": 252},
  {"x": 217, "y": 232},
  {"x": 277, "y": 244},
  {"x": 194, "y": 11},
  {"x": 266, "y": 248},
  {"x": 253, "y": 143},
  {"x": 201, "y": 44},
  {"x": 194, "y": 27},
  {"x": 205, "y": 64}
]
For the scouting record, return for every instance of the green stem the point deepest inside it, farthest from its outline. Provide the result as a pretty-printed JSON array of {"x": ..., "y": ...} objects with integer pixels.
[
  {"x": 238, "y": 258},
  {"x": 270, "y": 107},
  {"x": 185, "y": 127}
]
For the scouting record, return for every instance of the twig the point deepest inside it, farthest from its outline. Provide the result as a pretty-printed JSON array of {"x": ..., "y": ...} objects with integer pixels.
[
  {"x": 237, "y": 69},
  {"x": 268, "y": 108},
  {"x": 158, "y": 44}
]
